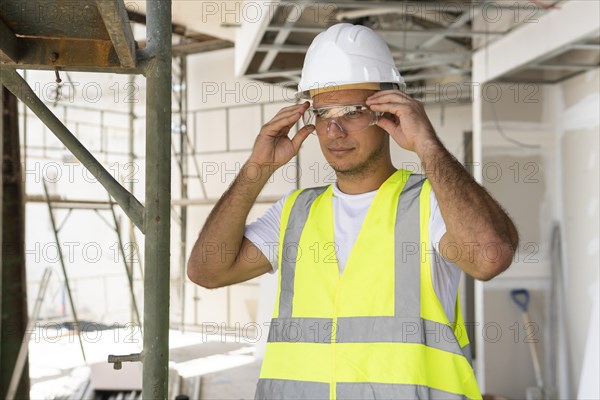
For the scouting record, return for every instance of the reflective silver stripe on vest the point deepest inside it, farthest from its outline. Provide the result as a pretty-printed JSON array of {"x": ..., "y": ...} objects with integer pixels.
[
  {"x": 288, "y": 389},
  {"x": 366, "y": 390},
  {"x": 291, "y": 240},
  {"x": 397, "y": 330},
  {"x": 301, "y": 330},
  {"x": 365, "y": 330},
  {"x": 467, "y": 353},
  {"x": 407, "y": 258}
]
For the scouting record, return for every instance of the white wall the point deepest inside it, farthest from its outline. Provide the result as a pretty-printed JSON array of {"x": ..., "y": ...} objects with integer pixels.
[
  {"x": 577, "y": 139},
  {"x": 93, "y": 262},
  {"x": 550, "y": 175}
]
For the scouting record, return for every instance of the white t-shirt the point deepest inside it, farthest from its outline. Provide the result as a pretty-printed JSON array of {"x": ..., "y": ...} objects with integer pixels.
[{"x": 349, "y": 211}]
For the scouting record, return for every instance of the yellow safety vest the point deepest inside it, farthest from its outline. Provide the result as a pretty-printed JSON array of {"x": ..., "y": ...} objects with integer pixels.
[{"x": 378, "y": 331}]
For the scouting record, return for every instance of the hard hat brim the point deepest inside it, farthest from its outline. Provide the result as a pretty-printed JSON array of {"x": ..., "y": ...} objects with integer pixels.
[{"x": 309, "y": 94}]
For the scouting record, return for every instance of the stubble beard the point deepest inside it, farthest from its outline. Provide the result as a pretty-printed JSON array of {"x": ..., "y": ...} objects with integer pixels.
[{"x": 363, "y": 168}]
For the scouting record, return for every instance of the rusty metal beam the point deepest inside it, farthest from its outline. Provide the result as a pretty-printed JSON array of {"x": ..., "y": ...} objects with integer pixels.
[
  {"x": 61, "y": 52},
  {"x": 8, "y": 43},
  {"x": 139, "y": 70},
  {"x": 71, "y": 55},
  {"x": 117, "y": 24}
]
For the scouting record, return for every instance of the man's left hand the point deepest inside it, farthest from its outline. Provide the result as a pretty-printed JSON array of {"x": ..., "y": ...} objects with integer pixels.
[{"x": 405, "y": 121}]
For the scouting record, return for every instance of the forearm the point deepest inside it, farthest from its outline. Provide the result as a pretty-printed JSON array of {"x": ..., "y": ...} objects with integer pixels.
[
  {"x": 475, "y": 223},
  {"x": 220, "y": 238}
]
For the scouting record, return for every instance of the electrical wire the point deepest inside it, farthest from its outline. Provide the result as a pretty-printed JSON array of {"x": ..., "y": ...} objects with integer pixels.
[
  {"x": 496, "y": 123},
  {"x": 506, "y": 137}
]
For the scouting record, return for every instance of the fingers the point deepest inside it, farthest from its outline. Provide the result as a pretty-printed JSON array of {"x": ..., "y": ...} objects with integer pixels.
[
  {"x": 395, "y": 102},
  {"x": 391, "y": 97},
  {"x": 387, "y": 125},
  {"x": 285, "y": 119},
  {"x": 388, "y": 95},
  {"x": 301, "y": 136}
]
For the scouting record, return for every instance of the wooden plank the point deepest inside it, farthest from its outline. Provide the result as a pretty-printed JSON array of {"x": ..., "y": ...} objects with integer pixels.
[
  {"x": 8, "y": 43},
  {"x": 117, "y": 24}
]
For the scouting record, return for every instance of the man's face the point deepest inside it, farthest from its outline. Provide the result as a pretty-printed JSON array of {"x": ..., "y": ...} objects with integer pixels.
[{"x": 355, "y": 153}]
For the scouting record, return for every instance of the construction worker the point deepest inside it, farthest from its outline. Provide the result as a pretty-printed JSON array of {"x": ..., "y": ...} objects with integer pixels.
[{"x": 367, "y": 305}]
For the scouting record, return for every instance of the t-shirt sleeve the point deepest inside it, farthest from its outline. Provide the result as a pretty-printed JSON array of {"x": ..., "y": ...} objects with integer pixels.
[
  {"x": 445, "y": 273},
  {"x": 264, "y": 232}
]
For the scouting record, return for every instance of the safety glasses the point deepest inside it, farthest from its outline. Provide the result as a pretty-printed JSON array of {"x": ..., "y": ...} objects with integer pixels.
[{"x": 348, "y": 118}]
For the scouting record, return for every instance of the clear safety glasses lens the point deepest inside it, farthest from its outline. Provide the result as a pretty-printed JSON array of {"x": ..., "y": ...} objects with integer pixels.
[{"x": 348, "y": 118}]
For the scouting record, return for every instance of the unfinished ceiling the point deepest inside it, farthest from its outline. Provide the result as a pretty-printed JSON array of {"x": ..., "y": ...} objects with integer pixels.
[{"x": 431, "y": 41}]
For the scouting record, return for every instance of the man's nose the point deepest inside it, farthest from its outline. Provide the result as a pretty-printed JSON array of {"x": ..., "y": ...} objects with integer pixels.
[{"x": 334, "y": 129}]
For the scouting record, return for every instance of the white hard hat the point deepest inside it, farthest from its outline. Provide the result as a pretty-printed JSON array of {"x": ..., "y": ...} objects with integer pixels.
[{"x": 347, "y": 56}]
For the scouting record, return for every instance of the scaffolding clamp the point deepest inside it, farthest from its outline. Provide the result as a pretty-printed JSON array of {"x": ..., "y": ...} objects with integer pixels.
[{"x": 118, "y": 360}]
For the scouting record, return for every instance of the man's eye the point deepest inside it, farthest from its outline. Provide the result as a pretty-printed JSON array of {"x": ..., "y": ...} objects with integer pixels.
[{"x": 353, "y": 114}]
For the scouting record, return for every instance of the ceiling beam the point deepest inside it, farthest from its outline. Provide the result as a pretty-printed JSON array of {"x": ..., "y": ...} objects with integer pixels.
[
  {"x": 201, "y": 47},
  {"x": 415, "y": 6},
  {"x": 116, "y": 21},
  {"x": 460, "y": 21},
  {"x": 299, "y": 48},
  {"x": 273, "y": 74},
  {"x": 281, "y": 37},
  {"x": 563, "y": 67},
  {"x": 585, "y": 46},
  {"x": 547, "y": 37},
  {"x": 431, "y": 61},
  {"x": 430, "y": 75},
  {"x": 411, "y": 32},
  {"x": 8, "y": 43}
]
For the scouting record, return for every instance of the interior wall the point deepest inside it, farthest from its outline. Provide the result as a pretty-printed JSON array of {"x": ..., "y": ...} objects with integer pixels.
[
  {"x": 517, "y": 170},
  {"x": 93, "y": 261},
  {"x": 549, "y": 175},
  {"x": 577, "y": 139}
]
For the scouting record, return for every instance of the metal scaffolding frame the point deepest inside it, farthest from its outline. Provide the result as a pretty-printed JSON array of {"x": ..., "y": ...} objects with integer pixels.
[{"x": 114, "y": 50}]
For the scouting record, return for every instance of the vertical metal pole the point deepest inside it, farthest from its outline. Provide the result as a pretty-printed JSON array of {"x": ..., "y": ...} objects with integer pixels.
[
  {"x": 128, "y": 272},
  {"x": 23, "y": 350},
  {"x": 1, "y": 206},
  {"x": 25, "y": 117},
  {"x": 227, "y": 138},
  {"x": 158, "y": 198},
  {"x": 64, "y": 270},
  {"x": 130, "y": 260},
  {"x": 183, "y": 189},
  {"x": 102, "y": 148},
  {"x": 477, "y": 108}
]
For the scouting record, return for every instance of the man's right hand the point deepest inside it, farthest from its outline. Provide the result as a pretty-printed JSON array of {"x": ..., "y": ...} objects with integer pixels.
[{"x": 273, "y": 147}]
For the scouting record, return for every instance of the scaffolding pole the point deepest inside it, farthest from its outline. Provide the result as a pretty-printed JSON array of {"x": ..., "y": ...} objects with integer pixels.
[
  {"x": 128, "y": 271},
  {"x": 24, "y": 349},
  {"x": 158, "y": 196},
  {"x": 55, "y": 229},
  {"x": 184, "y": 185}
]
